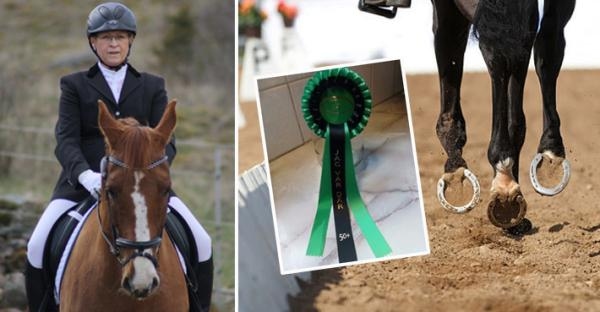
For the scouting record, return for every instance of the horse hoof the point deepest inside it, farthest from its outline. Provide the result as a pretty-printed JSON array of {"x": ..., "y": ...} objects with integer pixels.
[
  {"x": 533, "y": 174},
  {"x": 520, "y": 229},
  {"x": 441, "y": 189},
  {"x": 507, "y": 211}
]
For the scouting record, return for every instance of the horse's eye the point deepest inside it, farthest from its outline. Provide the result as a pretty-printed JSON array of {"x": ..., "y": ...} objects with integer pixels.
[
  {"x": 167, "y": 191},
  {"x": 112, "y": 194}
]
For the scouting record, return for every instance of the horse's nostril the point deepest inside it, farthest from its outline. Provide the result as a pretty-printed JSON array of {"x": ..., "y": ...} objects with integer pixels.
[
  {"x": 154, "y": 283},
  {"x": 125, "y": 284},
  {"x": 141, "y": 294}
]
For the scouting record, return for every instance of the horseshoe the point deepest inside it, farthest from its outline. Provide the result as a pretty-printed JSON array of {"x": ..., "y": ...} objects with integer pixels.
[
  {"x": 548, "y": 191},
  {"x": 441, "y": 187}
]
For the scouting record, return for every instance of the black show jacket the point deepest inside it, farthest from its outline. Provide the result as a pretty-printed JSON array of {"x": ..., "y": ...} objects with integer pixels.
[{"x": 79, "y": 142}]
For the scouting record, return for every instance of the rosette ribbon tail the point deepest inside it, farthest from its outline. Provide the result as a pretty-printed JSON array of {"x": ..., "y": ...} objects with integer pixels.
[
  {"x": 316, "y": 243},
  {"x": 367, "y": 225},
  {"x": 339, "y": 190}
]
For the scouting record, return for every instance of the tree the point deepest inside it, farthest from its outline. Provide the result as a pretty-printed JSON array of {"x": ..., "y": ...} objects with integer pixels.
[{"x": 176, "y": 54}]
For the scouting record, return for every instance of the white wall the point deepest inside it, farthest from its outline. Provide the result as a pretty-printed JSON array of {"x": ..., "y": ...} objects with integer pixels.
[{"x": 335, "y": 31}]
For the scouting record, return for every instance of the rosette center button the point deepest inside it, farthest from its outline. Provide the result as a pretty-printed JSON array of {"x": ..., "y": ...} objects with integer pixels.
[{"x": 337, "y": 105}]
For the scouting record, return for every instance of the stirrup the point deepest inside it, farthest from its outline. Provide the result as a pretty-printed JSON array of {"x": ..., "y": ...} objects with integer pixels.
[
  {"x": 549, "y": 191},
  {"x": 385, "y": 8},
  {"x": 441, "y": 187},
  {"x": 390, "y": 3}
]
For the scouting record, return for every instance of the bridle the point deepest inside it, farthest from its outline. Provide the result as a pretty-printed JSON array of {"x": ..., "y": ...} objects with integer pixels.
[{"x": 117, "y": 241}]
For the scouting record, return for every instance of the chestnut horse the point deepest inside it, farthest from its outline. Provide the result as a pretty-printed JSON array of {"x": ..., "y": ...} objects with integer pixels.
[{"x": 123, "y": 259}]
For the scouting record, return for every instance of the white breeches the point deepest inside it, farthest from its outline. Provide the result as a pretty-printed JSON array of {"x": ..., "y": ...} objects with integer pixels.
[
  {"x": 57, "y": 207},
  {"x": 203, "y": 241}
]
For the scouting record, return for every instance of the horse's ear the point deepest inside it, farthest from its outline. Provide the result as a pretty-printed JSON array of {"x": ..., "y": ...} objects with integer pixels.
[
  {"x": 110, "y": 127},
  {"x": 166, "y": 126}
]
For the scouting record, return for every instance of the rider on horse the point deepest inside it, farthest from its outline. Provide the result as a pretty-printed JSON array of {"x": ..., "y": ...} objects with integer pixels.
[{"x": 111, "y": 30}]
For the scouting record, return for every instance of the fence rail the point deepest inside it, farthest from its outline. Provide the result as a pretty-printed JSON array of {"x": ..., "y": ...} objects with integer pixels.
[
  {"x": 27, "y": 129},
  {"x": 26, "y": 156}
]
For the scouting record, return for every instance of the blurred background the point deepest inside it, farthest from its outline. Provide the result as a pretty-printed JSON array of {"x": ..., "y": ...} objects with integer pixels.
[
  {"x": 189, "y": 43},
  {"x": 329, "y": 32}
]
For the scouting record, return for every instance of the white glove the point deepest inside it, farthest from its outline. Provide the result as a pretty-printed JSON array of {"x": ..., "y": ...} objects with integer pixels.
[{"x": 92, "y": 181}]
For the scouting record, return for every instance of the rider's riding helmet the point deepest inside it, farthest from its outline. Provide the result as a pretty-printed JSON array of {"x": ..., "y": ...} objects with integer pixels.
[{"x": 110, "y": 16}]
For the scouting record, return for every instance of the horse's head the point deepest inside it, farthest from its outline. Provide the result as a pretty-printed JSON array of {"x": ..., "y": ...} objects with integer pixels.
[{"x": 135, "y": 194}]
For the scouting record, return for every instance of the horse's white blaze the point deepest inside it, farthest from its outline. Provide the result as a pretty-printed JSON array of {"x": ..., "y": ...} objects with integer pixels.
[
  {"x": 142, "y": 231},
  {"x": 145, "y": 272}
]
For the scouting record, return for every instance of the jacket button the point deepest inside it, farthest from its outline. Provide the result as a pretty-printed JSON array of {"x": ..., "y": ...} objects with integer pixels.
[{"x": 118, "y": 113}]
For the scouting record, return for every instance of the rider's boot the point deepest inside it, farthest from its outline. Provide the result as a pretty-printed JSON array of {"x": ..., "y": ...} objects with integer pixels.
[
  {"x": 39, "y": 296},
  {"x": 202, "y": 293}
]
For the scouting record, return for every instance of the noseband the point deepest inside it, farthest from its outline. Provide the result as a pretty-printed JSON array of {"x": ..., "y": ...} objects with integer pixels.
[{"x": 117, "y": 241}]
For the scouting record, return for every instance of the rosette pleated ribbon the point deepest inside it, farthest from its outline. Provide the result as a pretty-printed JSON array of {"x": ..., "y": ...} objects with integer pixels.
[{"x": 336, "y": 105}]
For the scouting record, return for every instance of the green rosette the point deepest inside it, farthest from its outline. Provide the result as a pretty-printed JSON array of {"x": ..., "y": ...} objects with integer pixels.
[
  {"x": 343, "y": 88},
  {"x": 336, "y": 105}
]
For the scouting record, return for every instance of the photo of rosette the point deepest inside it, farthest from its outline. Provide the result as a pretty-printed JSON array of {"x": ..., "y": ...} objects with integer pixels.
[
  {"x": 341, "y": 167},
  {"x": 336, "y": 105}
]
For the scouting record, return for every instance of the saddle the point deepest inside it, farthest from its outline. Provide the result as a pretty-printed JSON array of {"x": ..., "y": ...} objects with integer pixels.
[{"x": 63, "y": 230}]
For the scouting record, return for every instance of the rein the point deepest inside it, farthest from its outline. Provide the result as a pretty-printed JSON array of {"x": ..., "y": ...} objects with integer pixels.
[{"x": 119, "y": 242}]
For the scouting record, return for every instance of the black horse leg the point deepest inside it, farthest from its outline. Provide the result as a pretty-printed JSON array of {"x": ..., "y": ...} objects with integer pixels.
[
  {"x": 506, "y": 58},
  {"x": 516, "y": 86},
  {"x": 516, "y": 117},
  {"x": 516, "y": 134},
  {"x": 451, "y": 31},
  {"x": 548, "y": 54},
  {"x": 507, "y": 206}
]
